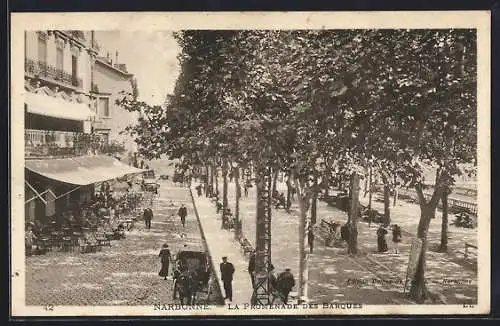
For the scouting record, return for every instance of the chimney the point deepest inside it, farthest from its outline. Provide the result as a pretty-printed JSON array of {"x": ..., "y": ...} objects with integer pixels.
[{"x": 116, "y": 57}]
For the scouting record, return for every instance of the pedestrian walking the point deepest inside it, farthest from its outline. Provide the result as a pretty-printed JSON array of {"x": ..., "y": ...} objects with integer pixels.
[
  {"x": 29, "y": 238},
  {"x": 285, "y": 284},
  {"x": 251, "y": 268},
  {"x": 198, "y": 190},
  {"x": 396, "y": 237},
  {"x": 218, "y": 206},
  {"x": 148, "y": 216},
  {"x": 272, "y": 278},
  {"x": 165, "y": 261},
  {"x": 381, "y": 241},
  {"x": 345, "y": 233},
  {"x": 310, "y": 238},
  {"x": 246, "y": 190},
  {"x": 227, "y": 271},
  {"x": 183, "y": 213}
]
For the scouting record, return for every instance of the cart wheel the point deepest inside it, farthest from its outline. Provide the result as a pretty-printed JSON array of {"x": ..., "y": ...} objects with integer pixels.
[{"x": 175, "y": 289}]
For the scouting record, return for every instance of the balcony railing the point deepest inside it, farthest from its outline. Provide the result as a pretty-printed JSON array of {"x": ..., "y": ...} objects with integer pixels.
[
  {"x": 42, "y": 143},
  {"x": 42, "y": 69},
  {"x": 79, "y": 35},
  {"x": 48, "y": 143}
]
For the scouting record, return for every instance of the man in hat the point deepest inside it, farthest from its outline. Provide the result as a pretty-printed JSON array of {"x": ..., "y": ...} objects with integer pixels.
[
  {"x": 310, "y": 238},
  {"x": 148, "y": 216},
  {"x": 251, "y": 267},
  {"x": 285, "y": 283},
  {"x": 182, "y": 213},
  {"x": 227, "y": 271}
]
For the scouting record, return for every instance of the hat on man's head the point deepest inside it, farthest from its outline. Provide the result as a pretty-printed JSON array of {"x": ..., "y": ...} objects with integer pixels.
[{"x": 225, "y": 257}]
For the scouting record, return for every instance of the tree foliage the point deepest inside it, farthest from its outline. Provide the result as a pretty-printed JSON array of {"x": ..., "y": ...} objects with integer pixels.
[{"x": 402, "y": 100}]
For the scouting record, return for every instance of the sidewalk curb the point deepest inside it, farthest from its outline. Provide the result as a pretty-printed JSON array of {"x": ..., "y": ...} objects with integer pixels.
[{"x": 212, "y": 264}]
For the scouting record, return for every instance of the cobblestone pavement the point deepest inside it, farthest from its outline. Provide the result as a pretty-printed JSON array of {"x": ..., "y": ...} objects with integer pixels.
[
  {"x": 125, "y": 273},
  {"x": 371, "y": 278}
]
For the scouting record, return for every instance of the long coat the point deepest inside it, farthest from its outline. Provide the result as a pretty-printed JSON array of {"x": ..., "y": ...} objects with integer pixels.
[
  {"x": 285, "y": 281},
  {"x": 148, "y": 214},
  {"x": 182, "y": 212},
  {"x": 227, "y": 271},
  {"x": 165, "y": 261},
  {"x": 251, "y": 264}
]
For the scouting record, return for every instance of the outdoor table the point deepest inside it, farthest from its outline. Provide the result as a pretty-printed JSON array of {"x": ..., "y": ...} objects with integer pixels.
[
  {"x": 128, "y": 222},
  {"x": 45, "y": 241}
]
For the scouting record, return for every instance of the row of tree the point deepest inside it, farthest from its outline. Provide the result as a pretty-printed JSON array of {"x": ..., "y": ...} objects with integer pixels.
[{"x": 313, "y": 104}]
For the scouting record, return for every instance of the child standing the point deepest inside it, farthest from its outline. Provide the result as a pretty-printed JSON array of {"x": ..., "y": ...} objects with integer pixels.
[{"x": 396, "y": 237}]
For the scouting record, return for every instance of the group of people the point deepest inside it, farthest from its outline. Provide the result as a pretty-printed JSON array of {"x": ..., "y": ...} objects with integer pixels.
[
  {"x": 283, "y": 284},
  {"x": 345, "y": 235},
  {"x": 148, "y": 216},
  {"x": 382, "y": 242}
]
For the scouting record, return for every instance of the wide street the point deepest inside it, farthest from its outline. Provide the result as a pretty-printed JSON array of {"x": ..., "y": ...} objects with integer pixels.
[{"x": 125, "y": 273}]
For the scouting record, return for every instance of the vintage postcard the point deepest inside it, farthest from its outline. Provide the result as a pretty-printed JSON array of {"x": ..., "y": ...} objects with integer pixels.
[{"x": 294, "y": 163}]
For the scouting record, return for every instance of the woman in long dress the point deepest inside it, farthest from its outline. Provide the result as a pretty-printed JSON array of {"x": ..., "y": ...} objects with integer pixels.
[
  {"x": 165, "y": 261},
  {"x": 381, "y": 241}
]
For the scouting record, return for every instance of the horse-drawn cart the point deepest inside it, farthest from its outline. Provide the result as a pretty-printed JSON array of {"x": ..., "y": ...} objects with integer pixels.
[
  {"x": 191, "y": 277},
  {"x": 149, "y": 182}
]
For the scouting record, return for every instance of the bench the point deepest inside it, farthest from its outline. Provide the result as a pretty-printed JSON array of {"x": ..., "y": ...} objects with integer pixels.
[
  {"x": 330, "y": 200},
  {"x": 277, "y": 203},
  {"x": 467, "y": 246},
  {"x": 102, "y": 240},
  {"x": 328, "y": 228},
  {"x": 246, "y": 246},
  {"x": 325, "y": 224},
  {"x": 86, "y": 245}
]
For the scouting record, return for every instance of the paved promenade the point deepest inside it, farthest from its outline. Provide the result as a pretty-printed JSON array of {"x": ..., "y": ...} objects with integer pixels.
[
  {"x": 221, "y": 243},
  {"x": 371, "y": 278},
  {"x": 125, "y": 273}
]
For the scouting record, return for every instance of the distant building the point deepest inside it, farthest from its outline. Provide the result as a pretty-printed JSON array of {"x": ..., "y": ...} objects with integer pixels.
[{"x": 109, "y": 80}]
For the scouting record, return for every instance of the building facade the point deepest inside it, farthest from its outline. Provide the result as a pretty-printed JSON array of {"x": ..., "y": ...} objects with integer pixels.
[
  {"x": 110, "y": 82},
  {"x": 68, "y": 116}
]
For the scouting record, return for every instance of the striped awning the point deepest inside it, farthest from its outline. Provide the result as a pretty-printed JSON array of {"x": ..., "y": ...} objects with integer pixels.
[
  {"x": 57, "y": 107},
  {"x": 82, "y": 170}
]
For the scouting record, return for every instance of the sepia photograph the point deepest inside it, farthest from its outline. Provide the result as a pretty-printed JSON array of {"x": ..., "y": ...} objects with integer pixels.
[{"x": 250, "y": 164}]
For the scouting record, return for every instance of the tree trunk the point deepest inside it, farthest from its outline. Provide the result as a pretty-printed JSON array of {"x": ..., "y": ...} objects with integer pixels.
[
  {"x": 370, "y": 189},
  {"x": 444, "y": 224},
  {"x": 314, "y": 201},
  {"x": 237, "y": 203},
  {"x": 205, "y": 181},
  {"x": 326, "y": 182},
  {"x": 216, "y": 179},
  {"x": 262, "y": 236},
  {"x": 367, "y": 180},
  {"x": 352, "y": 248},
  {"x": 418, "y": 290},
  {"x": 387, "y": 205},
  {"x": 224, "y": 187},
  {"x": 275, "y": 179},
  {"x": 212, "y": 181},
  {"x": 288, "y": 191},
  {"x": 303, "y": 277},
  {"x": 395, "y": 191}
]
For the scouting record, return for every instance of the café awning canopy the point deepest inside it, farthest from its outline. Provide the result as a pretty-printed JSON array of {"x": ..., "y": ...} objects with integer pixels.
[
  {"x": 57, "y": 107},
  {"x": 82, "y": 170}
]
